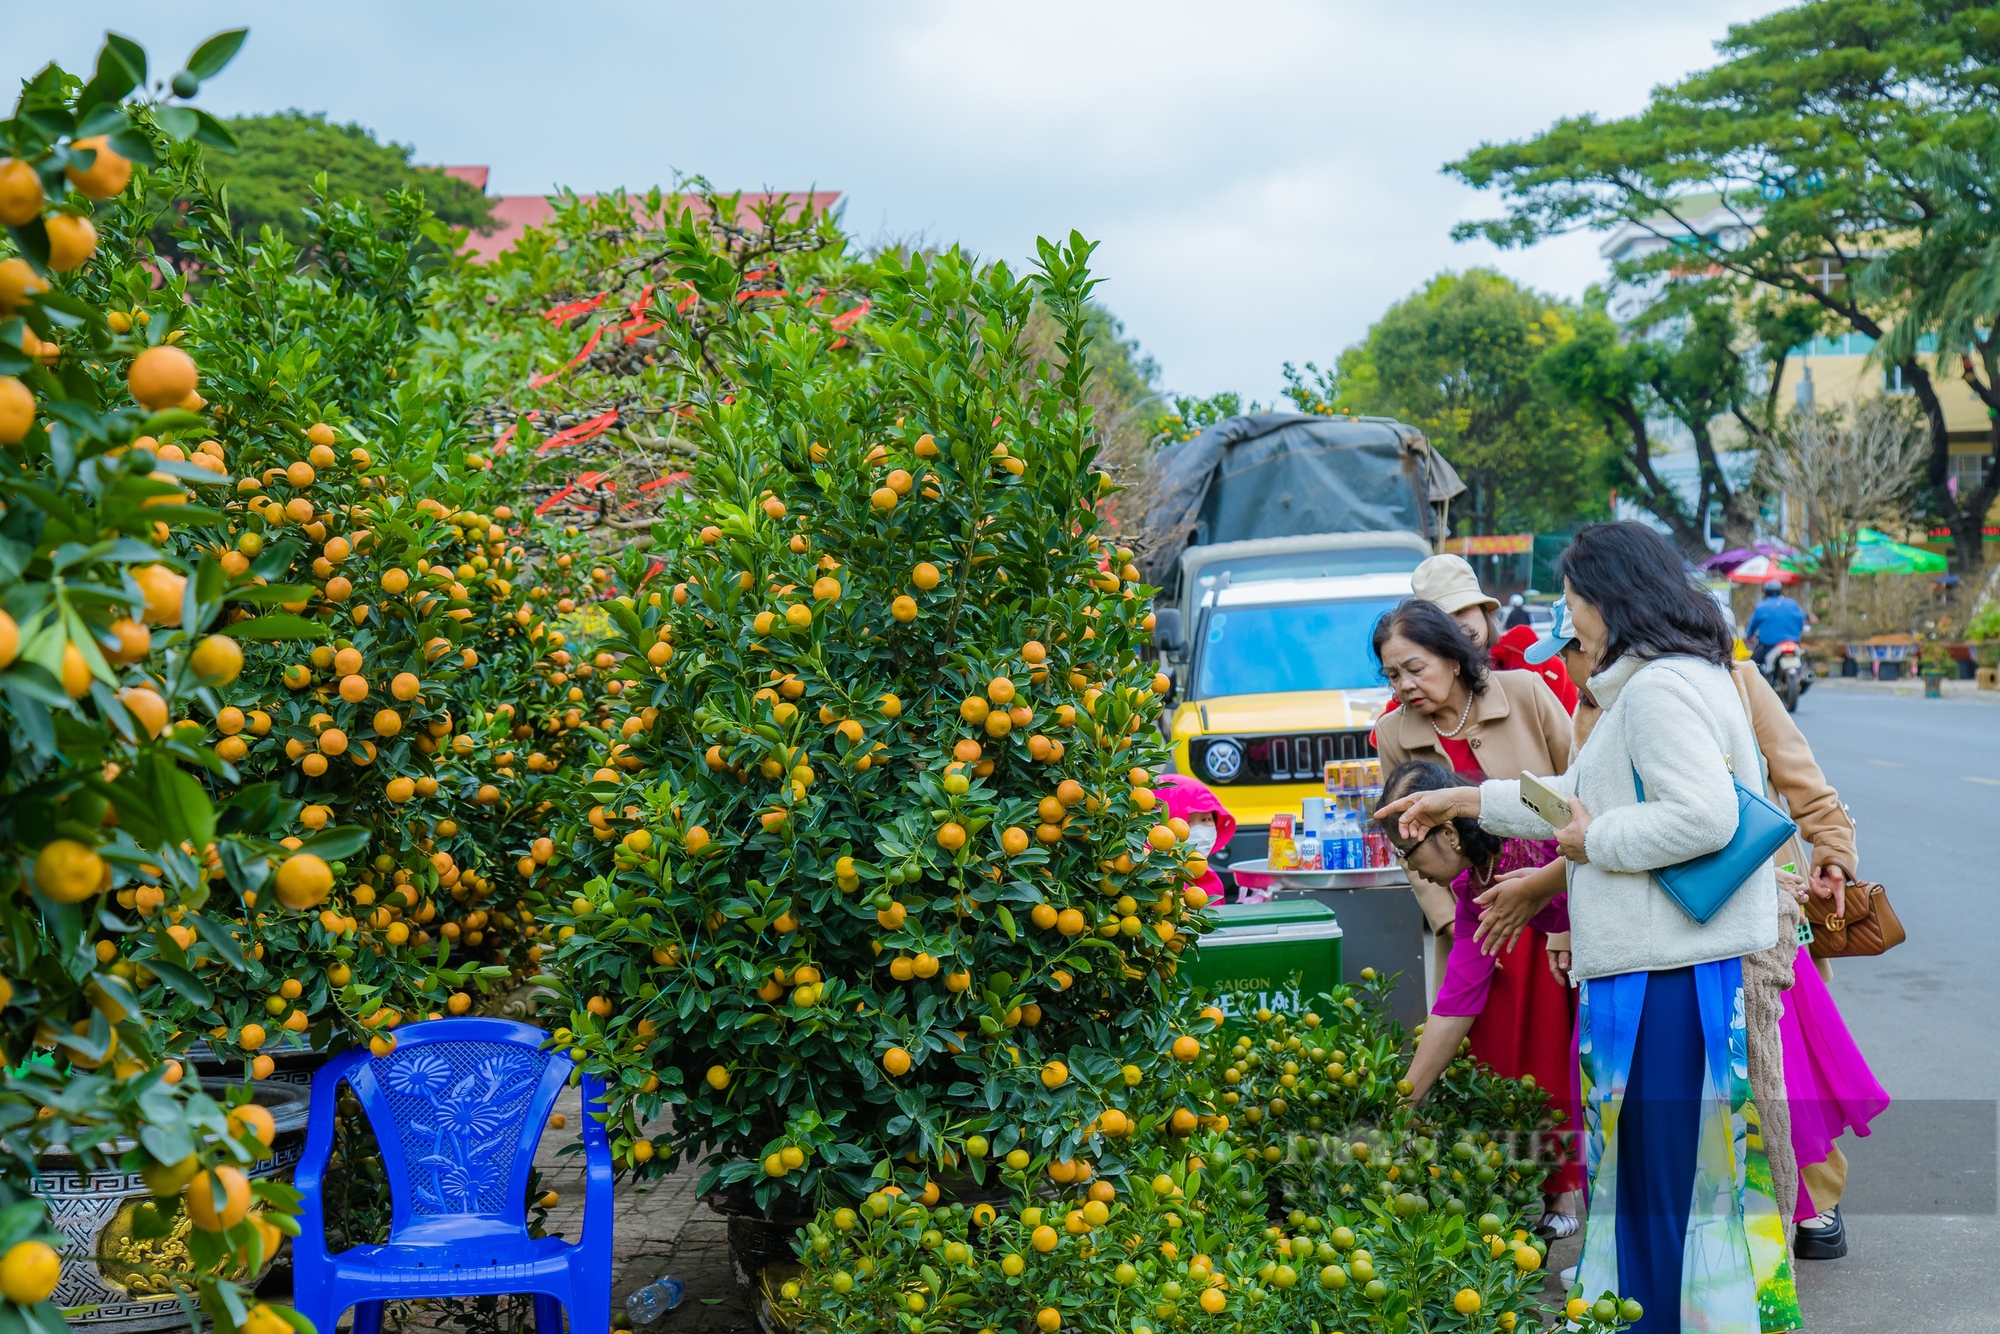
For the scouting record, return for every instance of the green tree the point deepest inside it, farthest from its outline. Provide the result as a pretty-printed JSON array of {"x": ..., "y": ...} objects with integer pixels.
[
  {"x": 1815, "y": 129},
  {"x": 283, "y": 154},
  {"x": 1698, "y": 362},
  {"x": 1457, "y": 360},
  {"x": 1947, "y": 287},
  {"x": 1191, "y": 415}
]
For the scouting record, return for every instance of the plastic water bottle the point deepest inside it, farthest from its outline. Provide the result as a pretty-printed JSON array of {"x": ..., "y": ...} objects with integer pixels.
[
  {"x": 1353, "y": 853},
  {"x": 654, "y": 1300}
]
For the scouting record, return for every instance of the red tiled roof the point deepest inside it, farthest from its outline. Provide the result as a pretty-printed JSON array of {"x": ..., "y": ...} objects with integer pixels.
[{"x": 514, "y": 214}]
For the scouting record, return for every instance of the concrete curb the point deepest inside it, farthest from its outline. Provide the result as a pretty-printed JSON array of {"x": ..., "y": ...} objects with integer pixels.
[{"x": 1912, "y": 689}]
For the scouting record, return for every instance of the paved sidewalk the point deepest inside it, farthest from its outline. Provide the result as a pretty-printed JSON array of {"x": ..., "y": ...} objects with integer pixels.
[
  {"x": 661, "y": 1227},
  {"x": 1953, "y": 690},
  {"x": 658, "y": 1227}
]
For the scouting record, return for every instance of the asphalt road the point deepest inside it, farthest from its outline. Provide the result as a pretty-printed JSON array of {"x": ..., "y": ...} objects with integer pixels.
[{"x": 1923, "y": 780}]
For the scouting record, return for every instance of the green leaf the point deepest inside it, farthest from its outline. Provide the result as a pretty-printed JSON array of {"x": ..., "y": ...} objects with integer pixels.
[
  {"x": 180, "y": 123},
  {"x": 270, "y": 593},
  {"x": 214, "y": 134},
  {"x": 136, "y": 146},
  {"x": 208, "y": 579},
  {"x": 190, "y": 986},
  {"x": 179, "y": 802},
  {"x": 22, "y": 1220},
  {"x": 276, "y": 559},
  {"x": 332, "y": 844},
  {"x": 149, "y": 1224},
  {"x": 173, "y": 419},
  {"x": 279, "y": 625},
  {"x": 121, "y": 67},
  {"x": 109, "y": 118},
  {"x": 213, "y": 55},
  {"x": 215, "y": 934}
]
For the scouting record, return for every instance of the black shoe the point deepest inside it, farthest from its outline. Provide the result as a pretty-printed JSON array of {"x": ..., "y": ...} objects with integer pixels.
[{"x": 1821, "y": 1238}]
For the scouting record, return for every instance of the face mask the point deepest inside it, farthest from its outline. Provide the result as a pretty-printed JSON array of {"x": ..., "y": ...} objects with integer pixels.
[{"x": 1203, "y": 838}]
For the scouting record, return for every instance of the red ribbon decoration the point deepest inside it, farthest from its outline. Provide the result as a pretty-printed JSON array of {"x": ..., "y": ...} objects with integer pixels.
[
  {"x": 638, "y": 327},
  {"x": 582, "y": 431},
  {"x": 668, "y": 480},
  {"x": 849, "y": 318},
  {"x": 573, "y": 362},
  {"x": 500, "y": 442},
  {"x": 564, "y": 314},
  {"x": 586, "y": 482}
]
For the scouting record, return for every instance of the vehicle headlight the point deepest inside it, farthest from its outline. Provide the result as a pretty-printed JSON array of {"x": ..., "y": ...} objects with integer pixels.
[{"x": 1223, "y": 760}]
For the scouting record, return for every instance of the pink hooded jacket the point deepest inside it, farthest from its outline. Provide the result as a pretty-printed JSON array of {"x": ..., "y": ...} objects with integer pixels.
[{"x": 1184, "y": 796}]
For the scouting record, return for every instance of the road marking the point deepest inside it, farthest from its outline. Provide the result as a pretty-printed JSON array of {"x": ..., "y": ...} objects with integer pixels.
[
  {"x": 1975, "y": 778},
  {"x": 1888, "y": 764}
]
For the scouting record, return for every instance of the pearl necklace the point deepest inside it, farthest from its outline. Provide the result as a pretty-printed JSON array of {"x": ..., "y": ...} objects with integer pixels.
[{"x": 1463, "y": 715}]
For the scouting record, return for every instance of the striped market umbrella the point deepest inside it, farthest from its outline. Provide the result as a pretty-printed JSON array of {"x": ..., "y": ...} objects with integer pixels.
[{"x": 1762, "y": 570}]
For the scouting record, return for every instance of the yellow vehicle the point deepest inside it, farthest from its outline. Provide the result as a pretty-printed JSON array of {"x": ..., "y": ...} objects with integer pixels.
[{"x": 1274, "y": 673}]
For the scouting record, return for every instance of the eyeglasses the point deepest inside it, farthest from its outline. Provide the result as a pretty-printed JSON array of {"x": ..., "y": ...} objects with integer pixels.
[{"x": 1403, "y": 854}]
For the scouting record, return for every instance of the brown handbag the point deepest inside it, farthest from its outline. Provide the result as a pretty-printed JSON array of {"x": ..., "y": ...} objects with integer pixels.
[{"x": 1870, "y": 927}]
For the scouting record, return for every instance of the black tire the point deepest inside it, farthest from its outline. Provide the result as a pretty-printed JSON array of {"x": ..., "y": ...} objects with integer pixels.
[{"x": 1792, "y": 693}]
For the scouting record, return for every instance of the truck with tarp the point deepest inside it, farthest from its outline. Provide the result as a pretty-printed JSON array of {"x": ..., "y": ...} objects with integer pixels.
[{"x": 1277, "y": 540}]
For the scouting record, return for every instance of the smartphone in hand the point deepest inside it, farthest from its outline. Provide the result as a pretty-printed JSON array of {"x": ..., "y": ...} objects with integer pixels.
[{"x": 1544, "y": 801}]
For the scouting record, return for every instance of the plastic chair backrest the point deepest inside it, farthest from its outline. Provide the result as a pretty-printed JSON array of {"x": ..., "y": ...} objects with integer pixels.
[{"x": 457, "y": 1111}]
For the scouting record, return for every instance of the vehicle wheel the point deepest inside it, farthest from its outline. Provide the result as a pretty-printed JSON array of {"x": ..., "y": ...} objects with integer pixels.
[{"x": 1792, "y": 693}]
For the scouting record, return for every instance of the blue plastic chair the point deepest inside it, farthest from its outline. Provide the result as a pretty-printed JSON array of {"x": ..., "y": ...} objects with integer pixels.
[{"x": 457, "y": 1109}]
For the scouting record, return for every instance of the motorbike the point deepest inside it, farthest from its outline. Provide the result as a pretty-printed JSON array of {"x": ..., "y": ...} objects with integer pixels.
[{"x": 1788, "y": 672}]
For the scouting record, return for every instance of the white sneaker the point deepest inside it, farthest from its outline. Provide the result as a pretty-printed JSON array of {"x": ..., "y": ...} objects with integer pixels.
[{"x": 1568, "y": 1277}]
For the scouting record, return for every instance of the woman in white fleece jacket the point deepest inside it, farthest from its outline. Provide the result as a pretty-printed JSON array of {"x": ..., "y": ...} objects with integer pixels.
[{"x": 1681, "y": 1218}]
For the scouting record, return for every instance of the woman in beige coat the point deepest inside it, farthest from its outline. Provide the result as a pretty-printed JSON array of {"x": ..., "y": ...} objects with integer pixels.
[
  {"x": 1456, "y": 712},
  {"x": 1464, "y": 718}
]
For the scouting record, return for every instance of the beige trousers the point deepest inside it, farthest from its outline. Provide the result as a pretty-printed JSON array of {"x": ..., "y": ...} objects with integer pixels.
[{"x": 1826, "y": 1182}]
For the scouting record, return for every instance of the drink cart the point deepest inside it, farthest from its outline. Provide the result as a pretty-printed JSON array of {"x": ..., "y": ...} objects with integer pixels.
[
  {"x": 1381, "y": 924},
  {"x": 1258, "y": 947}
]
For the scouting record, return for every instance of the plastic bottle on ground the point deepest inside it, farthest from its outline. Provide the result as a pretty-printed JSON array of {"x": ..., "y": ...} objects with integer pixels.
[{"x": 654, "y": 1300}]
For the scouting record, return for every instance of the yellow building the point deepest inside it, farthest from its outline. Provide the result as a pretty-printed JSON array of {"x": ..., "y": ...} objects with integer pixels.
[
  {"x": 1838, "y": 367},
  {"x": 1840, "y": 372}
]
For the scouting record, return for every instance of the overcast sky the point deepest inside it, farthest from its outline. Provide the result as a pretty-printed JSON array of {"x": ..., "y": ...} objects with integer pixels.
[{"x": 1263, "y": 175}]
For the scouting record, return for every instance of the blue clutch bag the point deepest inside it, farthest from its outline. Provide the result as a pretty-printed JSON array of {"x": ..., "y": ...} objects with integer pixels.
[{"x": 1701, "y": 886}]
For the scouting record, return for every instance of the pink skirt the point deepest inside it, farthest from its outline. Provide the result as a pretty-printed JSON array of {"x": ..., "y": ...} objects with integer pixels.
[{"x": 1828, "y": 1083}]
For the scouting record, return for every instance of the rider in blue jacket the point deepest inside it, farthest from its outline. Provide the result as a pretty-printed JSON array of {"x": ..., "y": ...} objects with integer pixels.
[{"x": 1776, "y": 619}]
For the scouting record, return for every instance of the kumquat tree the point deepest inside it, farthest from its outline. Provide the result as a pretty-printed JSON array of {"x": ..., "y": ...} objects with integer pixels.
[
  {"x": 886, "y": 863},
  {"x": 126, "y": 857}
]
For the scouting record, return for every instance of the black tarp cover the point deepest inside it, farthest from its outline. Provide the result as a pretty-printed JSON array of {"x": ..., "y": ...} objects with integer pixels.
[{"x": 1282, "y": 474}]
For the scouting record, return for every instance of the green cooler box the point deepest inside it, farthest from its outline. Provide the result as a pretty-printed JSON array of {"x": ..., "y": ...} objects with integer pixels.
[{"x": 1258, "y": 946}]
